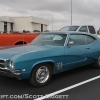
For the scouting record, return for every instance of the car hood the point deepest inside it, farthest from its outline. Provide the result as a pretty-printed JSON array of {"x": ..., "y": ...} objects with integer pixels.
[{"x": 8, "y": 52}]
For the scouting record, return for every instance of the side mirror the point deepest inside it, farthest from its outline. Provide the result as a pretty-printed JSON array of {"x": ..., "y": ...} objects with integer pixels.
[{"x": 70, "y": 43}]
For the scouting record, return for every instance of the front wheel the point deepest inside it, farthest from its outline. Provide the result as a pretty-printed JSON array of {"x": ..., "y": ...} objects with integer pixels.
[
  {"x": 41, "y": 75},
  {"x": 97, "y": 63}
]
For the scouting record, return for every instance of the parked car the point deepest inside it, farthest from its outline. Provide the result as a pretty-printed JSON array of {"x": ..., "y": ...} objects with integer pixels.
[
  {"x": 16, "y": 38},
  {"x": 50, "y": 53},
  {"x": 81, "y": 28}
]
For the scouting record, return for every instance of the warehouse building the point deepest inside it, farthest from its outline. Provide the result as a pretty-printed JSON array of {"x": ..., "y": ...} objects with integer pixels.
[{"x": 22, "y": 23}]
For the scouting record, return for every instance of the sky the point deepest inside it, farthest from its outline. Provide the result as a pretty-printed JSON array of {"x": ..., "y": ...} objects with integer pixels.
[{"x": 85, "y": 12}]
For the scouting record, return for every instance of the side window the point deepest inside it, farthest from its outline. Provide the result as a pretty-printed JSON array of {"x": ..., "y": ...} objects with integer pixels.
[
  {"x": 83, "y": 29},
  {"x": 91, "y": 29},
  {"x": 57, "y": 37},
  {"x": 77, "y": 39},
  {"x": 89, "y": 39}
]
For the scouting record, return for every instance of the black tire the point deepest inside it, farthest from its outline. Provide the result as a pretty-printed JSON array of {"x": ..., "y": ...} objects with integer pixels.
[
  {"x": 97, "y": 63},
  {"x": 33, "y": 80}
]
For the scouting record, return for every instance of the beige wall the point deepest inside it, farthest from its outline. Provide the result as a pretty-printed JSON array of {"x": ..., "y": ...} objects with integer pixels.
[
  {"x": 27, "y": 23},
  {"x": 6, "y": 19},
  {"x": 39, "y": 20},
  {"x": 21, "y": 24},
  {"x": 44, "y": 27},
  {"x": 36, "y": 26},
  {"x": 1, "y": 26},
  {"x": 24, "y": 23},
  {"x": 8, "y": 27}
]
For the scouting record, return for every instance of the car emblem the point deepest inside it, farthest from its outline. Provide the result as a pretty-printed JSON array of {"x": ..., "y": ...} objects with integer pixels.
[{"x": 59, "y": 66}]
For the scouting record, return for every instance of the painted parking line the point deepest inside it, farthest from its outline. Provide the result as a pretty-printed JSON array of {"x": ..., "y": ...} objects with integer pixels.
[{"x": 68, "y": 88}]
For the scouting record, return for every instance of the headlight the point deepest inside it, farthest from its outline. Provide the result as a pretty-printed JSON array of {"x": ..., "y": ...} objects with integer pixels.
[{"x": 11, "y": 66}]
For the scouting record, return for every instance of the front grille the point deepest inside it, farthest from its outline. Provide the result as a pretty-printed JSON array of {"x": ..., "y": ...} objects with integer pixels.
[
  {"x": 2, "y": 66},
  {"x": 2, "y": 63}
]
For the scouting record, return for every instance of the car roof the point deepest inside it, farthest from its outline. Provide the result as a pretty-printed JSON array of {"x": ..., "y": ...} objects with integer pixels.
[
  {"x": 56, "y": 32},
  {"x": 78, "y": 25},
  {"x": 68, "y": 32}
]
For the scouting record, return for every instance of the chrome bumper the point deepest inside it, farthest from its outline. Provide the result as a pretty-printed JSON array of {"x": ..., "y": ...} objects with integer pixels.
[{"x": 7, "y": 72}]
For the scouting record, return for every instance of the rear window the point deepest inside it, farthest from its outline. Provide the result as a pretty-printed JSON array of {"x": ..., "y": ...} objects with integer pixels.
[
  {"x": 89, "y": 39},
  {"x": 78, "y": 39},
  {"x": 91, "y": 29},
  {"x": 69, "y": 28},
  {"x": 83, "y": 29}
]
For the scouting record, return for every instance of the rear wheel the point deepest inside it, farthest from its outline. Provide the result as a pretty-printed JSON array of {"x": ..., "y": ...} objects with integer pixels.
[
  {"x": 41, "y": 75},
  {"x": 97, "y": 63}
]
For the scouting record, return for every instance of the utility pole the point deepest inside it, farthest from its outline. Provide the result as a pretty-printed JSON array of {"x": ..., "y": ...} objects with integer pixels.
[
  {"x": 52, "y": 23},
  {"x": 71, "y": 11}
]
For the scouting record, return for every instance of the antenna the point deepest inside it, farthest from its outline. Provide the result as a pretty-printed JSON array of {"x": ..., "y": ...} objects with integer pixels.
[{"x": 23, "y": 39}]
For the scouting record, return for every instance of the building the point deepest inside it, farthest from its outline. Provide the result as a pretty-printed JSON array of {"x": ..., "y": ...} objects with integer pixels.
[{"x": 22, "y": 23}]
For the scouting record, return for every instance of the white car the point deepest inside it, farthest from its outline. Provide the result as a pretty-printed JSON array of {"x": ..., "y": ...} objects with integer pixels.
[{"x": 83, "y": 28}]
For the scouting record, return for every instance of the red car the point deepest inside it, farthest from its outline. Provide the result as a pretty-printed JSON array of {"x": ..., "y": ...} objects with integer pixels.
[{"x": 16, "y": 39}]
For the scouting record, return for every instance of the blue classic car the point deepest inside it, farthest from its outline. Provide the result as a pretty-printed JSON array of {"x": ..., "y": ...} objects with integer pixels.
[{"x": 50, "y": 53}]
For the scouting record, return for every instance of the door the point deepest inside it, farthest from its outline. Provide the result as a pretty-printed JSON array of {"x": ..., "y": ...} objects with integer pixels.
[
  {"x": 41, "y": 27},
  {"x": 77, "y": 54},
  {"x": 5, "y": 27}
]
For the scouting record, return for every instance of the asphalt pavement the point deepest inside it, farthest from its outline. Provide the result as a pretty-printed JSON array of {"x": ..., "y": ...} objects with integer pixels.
[{"x": 88, "y": 91}]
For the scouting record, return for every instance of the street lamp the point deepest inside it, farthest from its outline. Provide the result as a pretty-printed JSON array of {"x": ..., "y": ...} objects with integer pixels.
[
  {"x": 52, "y": 23},
  {"x": 71, "y": 12}
]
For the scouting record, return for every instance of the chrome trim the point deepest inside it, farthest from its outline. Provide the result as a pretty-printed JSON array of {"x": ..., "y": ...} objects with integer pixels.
[
  {"x": 11, "y": 65},
  {"x": 42, "y": 74},
  {"x": 13, "y": 71},
  {"x": 10, "y": 73},
  {"x": 2, "y": 59},
  {"x": 4, "y": 62},
  {"x": 66, "y": 40},
  {"x": 76, "y": 61}
]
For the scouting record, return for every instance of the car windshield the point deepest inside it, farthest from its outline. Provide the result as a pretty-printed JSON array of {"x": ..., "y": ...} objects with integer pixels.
[
  {"x": 69, "y": 28},
  {"x": 50, "y": 39}
]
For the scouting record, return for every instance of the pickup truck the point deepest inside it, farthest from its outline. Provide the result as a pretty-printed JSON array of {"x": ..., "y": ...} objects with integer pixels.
[
  {"x": 83, "y": 28},
  {"x": 16, "y": 39}
]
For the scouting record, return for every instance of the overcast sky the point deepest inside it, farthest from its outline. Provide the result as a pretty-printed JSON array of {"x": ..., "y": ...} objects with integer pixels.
[{"x": 84, "y": 11}]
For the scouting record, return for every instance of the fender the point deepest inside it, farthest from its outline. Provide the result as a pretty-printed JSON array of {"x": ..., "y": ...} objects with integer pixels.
[{"x": 43, "y": 61}]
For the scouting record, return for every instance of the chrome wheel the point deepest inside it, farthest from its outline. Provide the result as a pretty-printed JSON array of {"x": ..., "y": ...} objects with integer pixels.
[{"x": 42, "y": 74}]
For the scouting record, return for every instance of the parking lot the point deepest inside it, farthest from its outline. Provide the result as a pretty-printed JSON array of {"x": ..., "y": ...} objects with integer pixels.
[{"x": 88, "y": 91}]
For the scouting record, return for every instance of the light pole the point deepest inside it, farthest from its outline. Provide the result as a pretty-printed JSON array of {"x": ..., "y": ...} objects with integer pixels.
[
  {"x": 52, "y": 23},
  {"x": 71, "y": 11}
]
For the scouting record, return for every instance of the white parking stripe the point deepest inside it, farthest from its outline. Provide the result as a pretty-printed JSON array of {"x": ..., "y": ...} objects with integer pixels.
[{"x": 68, "y": 88}]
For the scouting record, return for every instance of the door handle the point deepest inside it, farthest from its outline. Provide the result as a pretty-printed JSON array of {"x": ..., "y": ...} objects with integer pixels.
[{"x": 88, "y": 48}]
